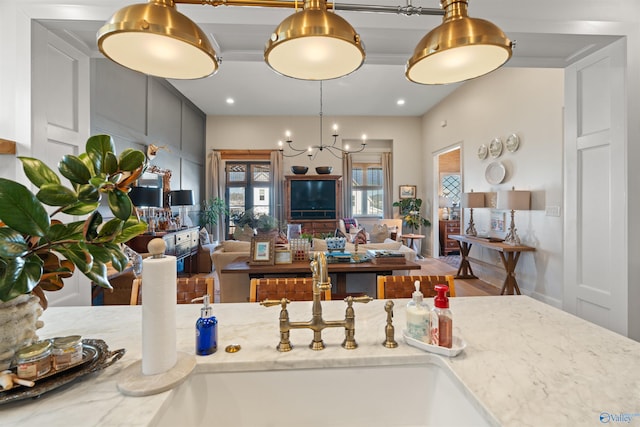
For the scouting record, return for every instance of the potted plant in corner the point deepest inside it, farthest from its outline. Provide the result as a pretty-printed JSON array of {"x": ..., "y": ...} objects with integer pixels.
[
  {"x": 38, "y": 250},
  {"x": 410, "y": 213},
  {"x": 211, "y": 212}
]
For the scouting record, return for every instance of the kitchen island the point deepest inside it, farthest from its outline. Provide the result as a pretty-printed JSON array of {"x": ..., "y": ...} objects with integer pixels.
[{"x": 526, "y": 363}]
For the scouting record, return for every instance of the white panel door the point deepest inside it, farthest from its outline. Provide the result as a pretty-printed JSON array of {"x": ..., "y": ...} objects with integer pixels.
[
  {"x": 60, "y": 105},
  {"x": 595, "y": 279}
]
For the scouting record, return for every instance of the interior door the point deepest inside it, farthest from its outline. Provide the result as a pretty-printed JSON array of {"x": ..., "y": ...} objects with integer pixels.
[
  {"x": 595, "y": 262},
  {"x": 60, "y": 120}
]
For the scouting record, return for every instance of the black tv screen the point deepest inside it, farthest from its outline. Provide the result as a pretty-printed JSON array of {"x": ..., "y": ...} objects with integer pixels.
[{"x": 313, "y": 199}]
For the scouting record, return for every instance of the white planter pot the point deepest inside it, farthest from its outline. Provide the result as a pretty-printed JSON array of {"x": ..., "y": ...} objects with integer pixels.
[{"x": 19, "y": 322}]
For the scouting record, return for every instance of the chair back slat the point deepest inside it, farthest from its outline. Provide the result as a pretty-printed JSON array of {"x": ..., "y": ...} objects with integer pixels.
[
  {"x": 187, "y": 288},
  {"x": 292, "y": 288},
  {"x": 403, "y": 286}
]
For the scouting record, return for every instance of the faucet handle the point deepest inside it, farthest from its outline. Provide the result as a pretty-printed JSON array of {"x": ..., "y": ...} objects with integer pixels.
[
  {"x": 272, "y": 302},
  {"x": 363, "y": 299}
]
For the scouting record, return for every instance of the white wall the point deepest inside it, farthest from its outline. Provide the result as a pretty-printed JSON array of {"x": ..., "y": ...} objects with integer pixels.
[{"x": 528, "y": 102}]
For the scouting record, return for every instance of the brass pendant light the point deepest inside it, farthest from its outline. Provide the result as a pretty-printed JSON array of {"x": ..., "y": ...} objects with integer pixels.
[
  {"x": 314, "y": 44},
  {"x": 461, "y": 48},
  {"x": 154, "y": 38}
]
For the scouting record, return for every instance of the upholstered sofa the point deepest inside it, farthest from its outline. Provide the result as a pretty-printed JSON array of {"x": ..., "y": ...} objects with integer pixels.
[{"x": 234, "y": 287}]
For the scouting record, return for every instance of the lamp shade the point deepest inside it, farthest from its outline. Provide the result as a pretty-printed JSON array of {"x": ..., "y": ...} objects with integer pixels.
[
  {"x": 181, "y": 198},
  {"x": 145, "y": 197},
  {"x": 314, "y": 44},
  {"x": 514, "y": 200},
  {"x": 459, "y": 49},
  {"x": 473, "y": 200},
  {"x": 444, "y": 202},
  {"x": 154, "y": 38}
]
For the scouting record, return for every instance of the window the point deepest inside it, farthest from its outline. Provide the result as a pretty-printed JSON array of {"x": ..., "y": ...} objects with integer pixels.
[
  {"x": 451, "y": 187},
  {"x": 248, "y": 187},
  {"x": 367, "y": 189}
]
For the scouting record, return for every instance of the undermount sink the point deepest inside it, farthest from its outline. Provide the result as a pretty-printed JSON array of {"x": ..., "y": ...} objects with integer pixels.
[{"x": 384, "y": 396}]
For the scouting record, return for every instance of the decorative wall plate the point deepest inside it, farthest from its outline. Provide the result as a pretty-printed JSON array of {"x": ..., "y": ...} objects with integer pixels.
[
  {"x": 495, "y": 173},
  {"x": 482, "y": 152},
  {"x": 495, "y": 147},
  {"x": 513, "y": 142}
]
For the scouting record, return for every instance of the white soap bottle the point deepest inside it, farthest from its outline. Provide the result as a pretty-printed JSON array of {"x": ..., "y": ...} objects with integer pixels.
[{"x": 418, "y": 316}]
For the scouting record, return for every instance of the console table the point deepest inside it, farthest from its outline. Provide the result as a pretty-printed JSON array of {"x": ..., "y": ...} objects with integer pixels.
[
  {"x": 509, "y": 254},
  {"x": 183, "y": 244}
]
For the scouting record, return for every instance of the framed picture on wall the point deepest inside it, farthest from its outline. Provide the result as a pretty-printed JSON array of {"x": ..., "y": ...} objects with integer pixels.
[
  {"x": 407, "y": 191},
  {"x": 498, "y": 220},
  {"x": 262, "y": 250}
]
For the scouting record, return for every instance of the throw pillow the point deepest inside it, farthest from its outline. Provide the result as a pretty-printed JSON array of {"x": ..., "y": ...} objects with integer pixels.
[
  {"x": 245, "y": 233},
  {"x": 379, "y": 233},
  {"x": 204, "y": 237},
  {"x": 361, "y": 237},
  {"x": 339, "y": 233}
]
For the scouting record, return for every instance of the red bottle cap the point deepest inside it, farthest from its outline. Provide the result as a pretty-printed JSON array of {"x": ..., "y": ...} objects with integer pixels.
[{"x": 441, "y": 300}]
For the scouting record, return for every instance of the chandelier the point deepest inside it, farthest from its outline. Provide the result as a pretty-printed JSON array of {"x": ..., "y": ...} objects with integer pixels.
[{"x": 313, "y": 150}]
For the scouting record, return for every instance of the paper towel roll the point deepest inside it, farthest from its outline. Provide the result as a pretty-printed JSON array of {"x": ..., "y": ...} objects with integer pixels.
[{"x": 159, "y": 352}]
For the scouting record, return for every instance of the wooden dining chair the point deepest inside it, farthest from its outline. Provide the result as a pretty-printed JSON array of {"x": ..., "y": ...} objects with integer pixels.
[
  {"x": 292, "y": 288},
  {"x": 188, "y": 288},
  {"x": 403, "y": 286}
]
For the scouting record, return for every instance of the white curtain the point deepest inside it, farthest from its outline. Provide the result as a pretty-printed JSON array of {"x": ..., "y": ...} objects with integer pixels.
[
  {"x": 347, "y": 184},
  {"x": 387, "y": 172},
  {"x": 277, "y": 174},
  {"x": 217, "y": 189}
]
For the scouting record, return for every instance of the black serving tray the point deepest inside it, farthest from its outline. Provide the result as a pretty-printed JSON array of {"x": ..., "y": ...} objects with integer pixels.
[{"x": 95, "y": 357}]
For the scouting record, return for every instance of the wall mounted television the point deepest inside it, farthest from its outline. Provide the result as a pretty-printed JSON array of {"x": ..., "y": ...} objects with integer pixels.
[{"x": 313, "y": 199}]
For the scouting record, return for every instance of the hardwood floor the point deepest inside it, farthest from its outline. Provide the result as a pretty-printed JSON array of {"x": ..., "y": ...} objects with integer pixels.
[{"x": 464, "y": 287}]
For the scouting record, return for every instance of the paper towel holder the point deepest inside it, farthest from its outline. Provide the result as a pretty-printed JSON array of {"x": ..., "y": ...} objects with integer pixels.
[{"x": 132, "y": 381}]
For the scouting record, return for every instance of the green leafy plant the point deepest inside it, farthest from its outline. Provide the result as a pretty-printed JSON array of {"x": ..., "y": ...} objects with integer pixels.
[
  {"x": 410, "y": 213},
  {"x": 37, "y": 250},
  {"x": 211, "y": 212},
  {"x": 266, "y": 223}
]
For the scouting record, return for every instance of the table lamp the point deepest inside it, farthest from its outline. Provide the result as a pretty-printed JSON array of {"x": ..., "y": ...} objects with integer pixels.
[
  {"x": 181, "y": 198},
  {"x": 146, "y": 198},
  {"x": 445, "y": 203},
  {"x": 472, "y": 200},
  {"x": 514, "y": 201}
]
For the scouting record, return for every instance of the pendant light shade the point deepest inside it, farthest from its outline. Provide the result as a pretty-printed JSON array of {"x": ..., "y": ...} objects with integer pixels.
[
  {"x": 314, "y": 44},
  {"x": 154, "y": 38},
  {"x": 460, "y": 49}
]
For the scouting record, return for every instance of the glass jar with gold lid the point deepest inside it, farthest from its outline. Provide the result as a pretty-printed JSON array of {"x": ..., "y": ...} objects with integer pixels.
[
  {"x": 67, "y": 351},
  {"x": 34, "y": 360}
]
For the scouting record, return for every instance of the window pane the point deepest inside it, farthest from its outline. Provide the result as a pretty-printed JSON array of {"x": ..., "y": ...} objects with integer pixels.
[
  {"x": 451, "y": 187},
  {"x": 357, "y": 176},
  {"x": 374, "y": 176},
  {"x": 236, "y": 197},
  {"x": 236, "y": 172},
  {"x": 261, "y": 200},
  {"x": 261, "y": 173},
  {"x": 374, "y": 202}
]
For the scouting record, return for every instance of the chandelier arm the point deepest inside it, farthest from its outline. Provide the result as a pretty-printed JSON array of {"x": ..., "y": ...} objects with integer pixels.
[{"x": 398, "y": 10}]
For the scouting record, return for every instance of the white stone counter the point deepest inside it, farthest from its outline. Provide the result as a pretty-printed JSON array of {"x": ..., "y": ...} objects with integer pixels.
[{"x": 528, "y": 363}]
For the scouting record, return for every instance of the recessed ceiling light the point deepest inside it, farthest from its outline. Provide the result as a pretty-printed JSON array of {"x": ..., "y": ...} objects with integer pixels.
[
  {"x": 400, "y": 102},
  {"x": 230, "y": 101}
]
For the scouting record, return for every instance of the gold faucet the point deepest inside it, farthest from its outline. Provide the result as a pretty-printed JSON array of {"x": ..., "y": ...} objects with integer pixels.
[{"x": 321, "y": 282}]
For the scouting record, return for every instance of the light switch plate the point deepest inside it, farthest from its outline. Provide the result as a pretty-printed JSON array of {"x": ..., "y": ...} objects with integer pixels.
[{"x": 552, "y": 211}]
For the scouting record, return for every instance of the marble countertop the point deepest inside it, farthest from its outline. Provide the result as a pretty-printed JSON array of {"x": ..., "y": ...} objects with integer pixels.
[{"x": 528, "y": 363}]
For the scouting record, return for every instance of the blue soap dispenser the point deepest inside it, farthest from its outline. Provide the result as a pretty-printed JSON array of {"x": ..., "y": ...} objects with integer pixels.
[{"x": 206, "y": 329}]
